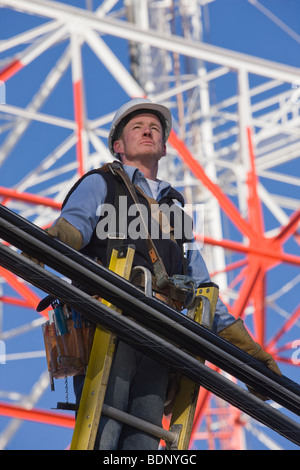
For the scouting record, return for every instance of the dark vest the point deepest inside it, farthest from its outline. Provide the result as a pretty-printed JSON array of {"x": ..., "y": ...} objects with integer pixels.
[{"x": 124, "y": 219}]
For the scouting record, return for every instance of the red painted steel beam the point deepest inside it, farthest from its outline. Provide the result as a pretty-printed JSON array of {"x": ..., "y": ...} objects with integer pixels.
[
  {"x": 78, "y": 111},
  {"x": 253, "y": 273},
  {"x": 13, "y": 301},
  {"x": 230, "y": 209},
  {"x": 30, "y": 297},
  {"x": 254, "y": 204},
  {"x": 13, "y": 67},
  {"x": 37, "y": 416},
  {"x": 256, "y": 220},
  {"x": 267, "y": 251},
  {"x": 201, "y": 409},
  {"x": 225, "y": 203},
  {"x": 230, "y": 267},
  {"x": 29, "y": 198},
  {"x": 259, "y": 313},
  {"x": 287, "y": 325},
  {"x": 290, "y": 228}
]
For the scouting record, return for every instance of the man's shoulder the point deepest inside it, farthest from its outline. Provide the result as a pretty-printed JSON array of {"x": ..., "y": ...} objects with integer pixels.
[{"x": 90, "y": 178}]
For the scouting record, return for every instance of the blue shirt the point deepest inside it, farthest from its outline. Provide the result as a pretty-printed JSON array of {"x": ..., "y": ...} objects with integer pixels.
[{"x": 82, "y": 208}]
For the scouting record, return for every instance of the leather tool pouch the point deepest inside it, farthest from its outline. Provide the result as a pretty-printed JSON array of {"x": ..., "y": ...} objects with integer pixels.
[{"x": 68, "y": 341}]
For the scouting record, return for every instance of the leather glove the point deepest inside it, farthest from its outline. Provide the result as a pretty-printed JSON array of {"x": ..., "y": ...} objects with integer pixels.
[
  {"x": 66, "y": 233},
  {"x": 35, "y": 260},
  {"x": 237, "y": 335}
]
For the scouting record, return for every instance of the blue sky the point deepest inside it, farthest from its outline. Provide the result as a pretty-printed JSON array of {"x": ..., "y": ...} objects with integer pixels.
[{"x": 234, "y": 24}]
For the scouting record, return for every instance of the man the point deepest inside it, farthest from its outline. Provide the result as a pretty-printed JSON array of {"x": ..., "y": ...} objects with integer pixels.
[{"x": 138, "y": 384}]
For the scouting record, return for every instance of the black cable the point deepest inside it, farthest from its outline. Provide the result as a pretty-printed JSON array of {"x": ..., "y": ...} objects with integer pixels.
[
  {"x": 150, "y": 312},
  {"x": 151, "y": 343}
]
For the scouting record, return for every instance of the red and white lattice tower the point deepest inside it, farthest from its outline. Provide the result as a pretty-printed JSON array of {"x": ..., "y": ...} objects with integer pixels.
[{"x": 233, "y": 152}]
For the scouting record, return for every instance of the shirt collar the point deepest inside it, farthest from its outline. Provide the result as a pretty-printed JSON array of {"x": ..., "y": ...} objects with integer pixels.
[{"x": 138, "y": 177}]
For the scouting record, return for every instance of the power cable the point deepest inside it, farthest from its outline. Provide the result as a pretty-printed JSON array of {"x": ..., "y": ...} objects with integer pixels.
[
  {"x": 149, "y": 312},
  {"x": 151, "y": 343}
]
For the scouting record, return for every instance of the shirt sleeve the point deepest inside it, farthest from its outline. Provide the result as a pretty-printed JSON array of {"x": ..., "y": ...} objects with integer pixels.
[
  {"x": 82, "y": 207},
  {"x": 197, "y": 269}
]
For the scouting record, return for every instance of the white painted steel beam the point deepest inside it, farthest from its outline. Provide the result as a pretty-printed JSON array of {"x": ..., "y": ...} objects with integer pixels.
[{"x": 213, "y": 54}]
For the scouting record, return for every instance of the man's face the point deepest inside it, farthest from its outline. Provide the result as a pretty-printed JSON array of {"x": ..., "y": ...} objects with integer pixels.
[{"x": 142, "y": 137}]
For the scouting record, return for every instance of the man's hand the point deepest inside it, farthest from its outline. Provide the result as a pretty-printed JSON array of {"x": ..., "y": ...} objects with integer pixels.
[{"x": 237, "y": 334}]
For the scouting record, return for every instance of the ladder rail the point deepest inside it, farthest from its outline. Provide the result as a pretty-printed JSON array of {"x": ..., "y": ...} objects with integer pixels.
[{"x": 99, "y": 366}]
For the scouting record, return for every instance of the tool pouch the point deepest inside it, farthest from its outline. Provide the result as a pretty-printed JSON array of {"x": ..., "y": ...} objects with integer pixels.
[{"x": 68, "y": 342}]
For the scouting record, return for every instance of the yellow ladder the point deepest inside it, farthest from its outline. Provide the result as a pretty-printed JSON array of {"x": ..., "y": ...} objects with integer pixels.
[
  {"x": 184, "y": 409},
  {"x": 91, "y": 404},
  {"x": 98, "y": 370}
]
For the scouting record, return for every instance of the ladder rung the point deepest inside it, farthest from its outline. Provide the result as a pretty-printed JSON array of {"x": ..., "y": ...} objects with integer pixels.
[{"x": 171, "y": 437}]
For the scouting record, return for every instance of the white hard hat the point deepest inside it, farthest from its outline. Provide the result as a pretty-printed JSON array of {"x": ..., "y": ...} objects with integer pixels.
[{"x": 138, "y": 105}]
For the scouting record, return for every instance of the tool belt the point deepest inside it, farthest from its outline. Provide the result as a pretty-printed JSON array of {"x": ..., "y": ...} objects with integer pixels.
[
  {"x": 68, "y": 337},
  {"x": 68, "y": 342}
]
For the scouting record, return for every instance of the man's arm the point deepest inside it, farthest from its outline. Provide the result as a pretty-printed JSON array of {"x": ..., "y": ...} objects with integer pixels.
[{"x": 79, "y": 216}]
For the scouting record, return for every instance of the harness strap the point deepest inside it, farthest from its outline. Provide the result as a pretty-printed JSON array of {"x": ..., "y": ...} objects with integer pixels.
[{"x": 162, "y": 278}]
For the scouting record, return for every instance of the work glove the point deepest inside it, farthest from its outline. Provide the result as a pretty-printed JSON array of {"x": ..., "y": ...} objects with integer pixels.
[
  {"x": 237, "y": 335},
  {"x": 66, "y": 233}
]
